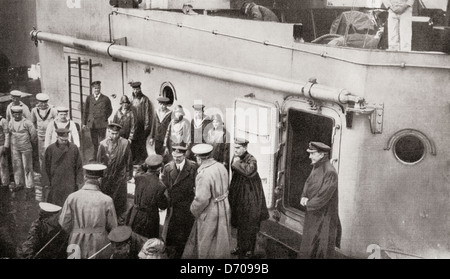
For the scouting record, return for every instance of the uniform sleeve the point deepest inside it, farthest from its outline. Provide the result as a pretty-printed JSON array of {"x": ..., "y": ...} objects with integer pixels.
[
  {"x": 326, "y": 192},
  {"x": 26, "y": 112},
  {"x": 111, "y": 217},
  {"x": 132, "y": 124},
  {"x": 247, "y": 168},
  {"x": 109, "y": 109},
  {"x": 46, "y": 167},
  {"x": 148, "y": 117},
  {"x": 79, "y": 171},
  {"x": 101, "y": 155},
  {"x": 202, "y": 195},
  {"x": 6, "y": 131},
  {"x": 32, "y": 131},
  {"x": 48, "y": 133},
  {"x": 129, "y": 160},
  {"x": 33, "y": 117},
  {"x": 163, "y": 203},
  {"x": 65, "y": 218},
  {"x": 8, "y": 112},
  {"x": 86, "y": 111},
  {"x": 31, "y": 245}
]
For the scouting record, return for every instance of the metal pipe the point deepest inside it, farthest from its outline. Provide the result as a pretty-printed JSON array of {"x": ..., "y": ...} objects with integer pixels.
[{"x": 125, "y": 53}]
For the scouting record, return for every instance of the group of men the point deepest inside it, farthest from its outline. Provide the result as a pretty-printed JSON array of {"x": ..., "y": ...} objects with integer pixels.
[{"x": 188, "y": 175}]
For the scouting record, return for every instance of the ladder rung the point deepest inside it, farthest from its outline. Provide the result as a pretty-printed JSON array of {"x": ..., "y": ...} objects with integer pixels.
[
  {"x": 81, "y": 69},
  {"x": 84, "y": 86},
  {"x": 83, "y": 62},
  {"x": 79, "y": 77}
]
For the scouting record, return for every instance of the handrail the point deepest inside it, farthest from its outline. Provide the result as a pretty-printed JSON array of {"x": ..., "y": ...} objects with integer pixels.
[{"x": 268, "y": 43}]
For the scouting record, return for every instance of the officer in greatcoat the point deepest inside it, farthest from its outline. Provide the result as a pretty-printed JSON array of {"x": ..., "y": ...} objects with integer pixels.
[
  {"x": 179, "y": 178},
  {"x": 210, "y": 237},
  {"x": 322, "y": 227},
  {"x": 88, "y": 216},
  {"x": 247, "y": 201},
  {"x": 149, "y": 198}
]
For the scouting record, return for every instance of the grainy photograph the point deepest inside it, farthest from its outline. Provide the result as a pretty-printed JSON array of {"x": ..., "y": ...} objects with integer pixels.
[{"x": 224, "y": 129}]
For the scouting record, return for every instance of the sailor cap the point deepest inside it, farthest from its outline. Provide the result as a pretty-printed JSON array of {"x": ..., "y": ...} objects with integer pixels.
[
  {"x": 16, "y": 93},
  {"x": 94, "y": 170},
  {"x": 62, "y": 109},
  {"x": 49, "y": 207},
  {"x": 202, "y": 149},
  {"x": 42, "y": 97}
]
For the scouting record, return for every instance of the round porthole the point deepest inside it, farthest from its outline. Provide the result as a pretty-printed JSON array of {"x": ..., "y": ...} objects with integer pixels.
[
  {"x": 409, "y": 149},
  {"x": 168, "y": 90}
]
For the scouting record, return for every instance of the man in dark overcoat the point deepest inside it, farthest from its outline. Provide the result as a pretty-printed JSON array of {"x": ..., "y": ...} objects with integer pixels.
[
  {"x": 115, "y": 153},
  {"x": 322, "y": 228},
  {"x": 63, "y": 169},
  {"x": 247, "y": 201},
  {"x": 143, "y": 109},
  {"x": 46, "y": 239},
  {"x": 179, "y": 178},
  {"x": 149, "y": 197},
  {"x": 97, "y": 110}
]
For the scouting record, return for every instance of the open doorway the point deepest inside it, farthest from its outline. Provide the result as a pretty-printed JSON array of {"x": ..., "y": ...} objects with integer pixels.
[{"x": 303, "y": 127}]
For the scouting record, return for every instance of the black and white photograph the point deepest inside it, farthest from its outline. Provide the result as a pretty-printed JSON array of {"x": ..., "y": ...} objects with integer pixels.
[{"x": 245, "y": 131}]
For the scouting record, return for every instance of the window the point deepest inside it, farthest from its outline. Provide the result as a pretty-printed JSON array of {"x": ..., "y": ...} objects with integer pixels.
[
  {"x": 168, "y": 90},
  {"x": 410, "y": 146},
  {"x": 409, "y": 149}
]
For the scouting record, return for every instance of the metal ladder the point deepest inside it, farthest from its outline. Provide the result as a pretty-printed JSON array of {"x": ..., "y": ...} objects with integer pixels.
[{"x": 79, "y": 80}]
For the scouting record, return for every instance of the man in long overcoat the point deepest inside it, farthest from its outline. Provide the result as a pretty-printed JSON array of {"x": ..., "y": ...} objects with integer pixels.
[
  {"x": 115, "y": 153},
  {"x": 143, "y": 109},
  {"x": 247, "y": 201},
  {"x": 149, "y": 197},
  {"x": 88, "y": 216},
  {"x": 322, "y": 228},
  {"x": 210, "y": 237},
  {"x": 179, "y": 178},
  {"x": 62, "y": 169},
  {"x": 97, "y": 110}
]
